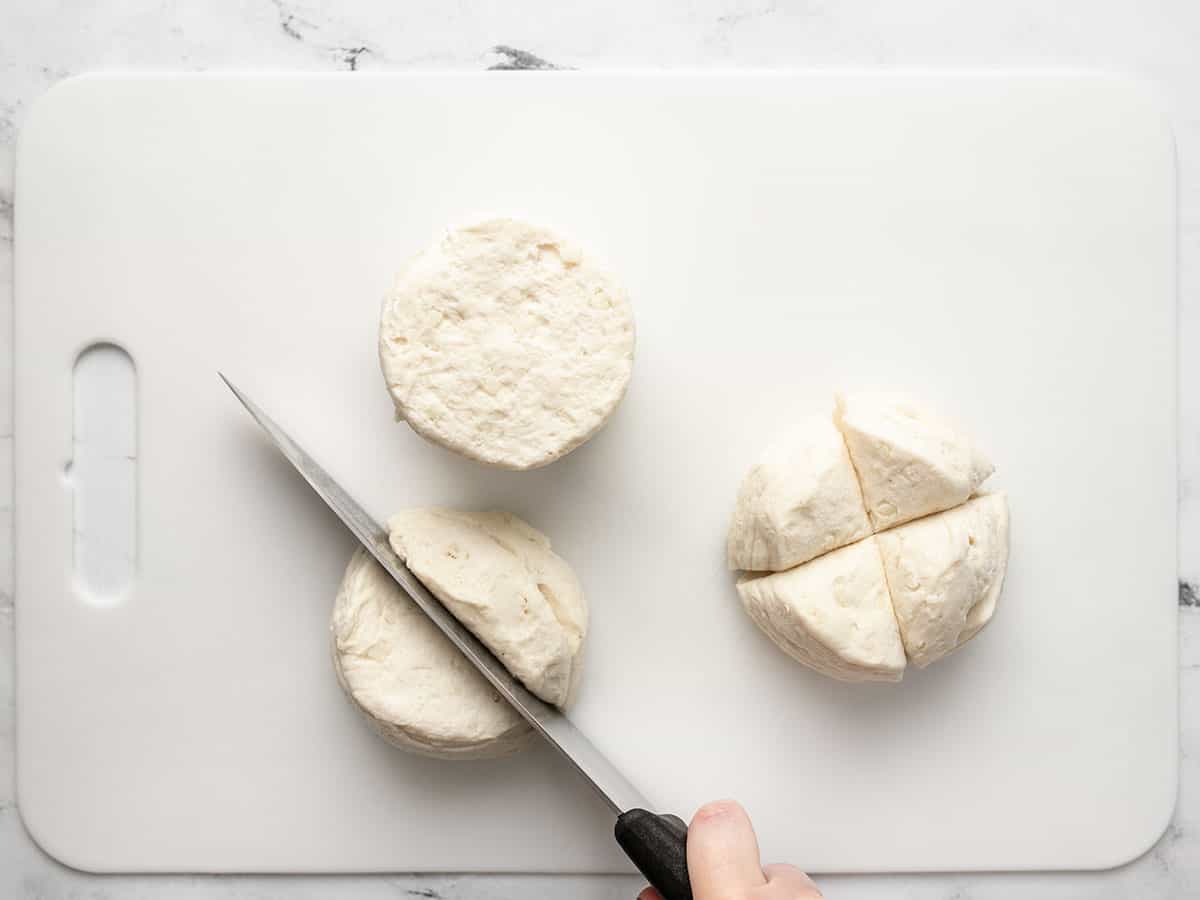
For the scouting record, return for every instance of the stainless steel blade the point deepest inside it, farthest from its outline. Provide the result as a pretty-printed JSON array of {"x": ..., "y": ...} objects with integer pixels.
[{"x": 547, "y": 720}]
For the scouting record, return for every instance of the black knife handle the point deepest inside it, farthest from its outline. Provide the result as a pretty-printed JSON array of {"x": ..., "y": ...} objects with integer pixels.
[{"x": 657, "y": 845}]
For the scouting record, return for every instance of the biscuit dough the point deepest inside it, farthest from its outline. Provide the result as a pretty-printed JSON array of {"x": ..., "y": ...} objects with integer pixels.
[
  {"x": 910, "y": 461},
  {"x": 864, "y": 541},
  {"x": 500, "y": 578},
  {"x": 945, "y": 572},
  {"x": 833, "y": 614},
  {"x": 505, "y": 343},
  {"x": 801, "y": 499},
  {"x": 406, "y": 677}
]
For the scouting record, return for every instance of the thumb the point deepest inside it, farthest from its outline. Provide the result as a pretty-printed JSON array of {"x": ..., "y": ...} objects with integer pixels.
[{"x": 722, "y": 852}]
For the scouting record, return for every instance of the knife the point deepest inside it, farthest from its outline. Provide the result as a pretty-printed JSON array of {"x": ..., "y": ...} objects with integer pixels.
[{"x": 656, "y": 844}]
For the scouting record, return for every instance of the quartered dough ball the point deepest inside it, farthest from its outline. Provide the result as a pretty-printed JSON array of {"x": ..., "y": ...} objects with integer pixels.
[
  {"x": 945, "y": 572},
  {"x": 505, "y": 343},
  {"x": 833, "y": 614},
  {"x": 801, "y": 499},
  {"x": 413, "y": 685},
  {"x": 924, "y": 584},
  {"x": 499, "y": 577},
  {"x": 910, "y": 462}
]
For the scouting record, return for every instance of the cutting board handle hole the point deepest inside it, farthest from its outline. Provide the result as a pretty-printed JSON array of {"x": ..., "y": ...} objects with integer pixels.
[{"x": 102, "y": 474}]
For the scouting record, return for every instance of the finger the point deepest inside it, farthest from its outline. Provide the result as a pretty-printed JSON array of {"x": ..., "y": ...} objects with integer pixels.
[
  {"x": 790, "y": 882},
  {"x": 722, "y": 852},
  {"x": 649, "y": 893}
]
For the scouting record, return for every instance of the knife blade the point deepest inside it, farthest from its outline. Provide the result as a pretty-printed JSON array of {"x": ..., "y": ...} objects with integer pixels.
[{"x": 655, "y": 843}]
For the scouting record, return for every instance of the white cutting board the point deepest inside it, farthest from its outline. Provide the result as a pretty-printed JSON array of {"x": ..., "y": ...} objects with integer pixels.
[{"x": 1002, "y": 246}]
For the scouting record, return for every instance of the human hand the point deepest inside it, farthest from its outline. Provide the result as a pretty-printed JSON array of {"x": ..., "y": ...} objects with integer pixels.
[{"x": 723, "y": 863}]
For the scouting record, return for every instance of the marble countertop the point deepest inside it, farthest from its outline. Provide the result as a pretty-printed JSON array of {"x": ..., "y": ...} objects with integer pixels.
[{"x": 41, "y": 44}]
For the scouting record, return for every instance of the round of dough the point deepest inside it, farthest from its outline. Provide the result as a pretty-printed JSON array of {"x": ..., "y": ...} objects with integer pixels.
[
  {"x": 945, "y": 572},
  {"x": 499, "y": 577},
  {"x": 414, "y": 686},
  {"x": 923, "y": 584},
  {"x": 801, "y": 499},
  {"x": 504, "y": 343},
  {"x": 910, "y": 461},
  {"x": 833, "y": 614}
]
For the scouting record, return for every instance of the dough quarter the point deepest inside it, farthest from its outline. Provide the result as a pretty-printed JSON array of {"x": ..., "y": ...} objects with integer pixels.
[
  {"x": 801, "y": 499},
  {"x": 833, "y": 614},
  {"x": 910, "y": 461},
  {"x": 945, "y": 573}
]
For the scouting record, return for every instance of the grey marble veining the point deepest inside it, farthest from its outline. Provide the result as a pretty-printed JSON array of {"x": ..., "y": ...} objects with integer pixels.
[
  {"x": 42, "y": 43},
  {"x": 518, "y": 60}
]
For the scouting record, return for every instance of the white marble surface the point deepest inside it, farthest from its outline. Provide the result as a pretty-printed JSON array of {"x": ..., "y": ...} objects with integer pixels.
[{"x": 41, "y": 43}]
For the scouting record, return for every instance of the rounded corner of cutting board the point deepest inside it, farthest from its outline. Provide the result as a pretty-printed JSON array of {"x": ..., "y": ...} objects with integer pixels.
[
  {"x": 56, "y": 102},
  {"x": 46, "y": 833},
  {"x": 1145, "y": 834}
]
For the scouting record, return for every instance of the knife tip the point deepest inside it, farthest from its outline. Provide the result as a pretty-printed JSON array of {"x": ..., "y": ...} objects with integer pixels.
[{"x": 228, "y": 383}]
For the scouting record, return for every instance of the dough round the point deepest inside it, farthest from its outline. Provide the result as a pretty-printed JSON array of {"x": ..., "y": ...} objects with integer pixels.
[
  {"x": 499, "y": 577},
  {"x": 414, "y": 686},
  {"x": 504, "y": 343},
  {"x": 910, "y": 462},
  {"x": 945, "y": 572},
  {"x": 833, "y": 614},
  {"x": 853, "y": 607},
  {"x": 801, "y": 499}
]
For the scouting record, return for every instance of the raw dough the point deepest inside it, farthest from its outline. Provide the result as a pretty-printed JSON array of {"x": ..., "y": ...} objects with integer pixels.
[
  {"x": 499, "y": 577},
  {"x": 833, "y": 614},
  {"x": 801, "y": 499},
  {"x": 413, "y": 685},
  {"x": 504, "y": 343},
  {"x": 910, "y": 462},
  {"x": 945, "y": 572},
  {"x": 923, "y": 585}
]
